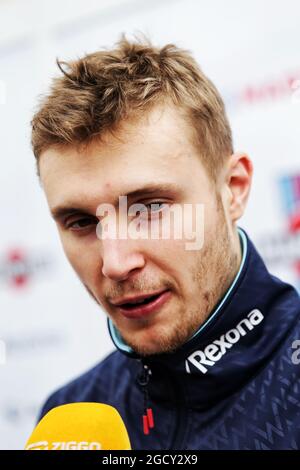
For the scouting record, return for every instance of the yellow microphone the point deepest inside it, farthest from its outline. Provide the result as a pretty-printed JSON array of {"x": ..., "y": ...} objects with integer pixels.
[{"x": 80, "y": 426}]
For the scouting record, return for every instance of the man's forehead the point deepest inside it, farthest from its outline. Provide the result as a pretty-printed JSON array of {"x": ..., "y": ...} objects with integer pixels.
[
  {"x": 161, "y": 134},
  {"x": 75, "y": 168},
  {"x": 74, "y": 179}
]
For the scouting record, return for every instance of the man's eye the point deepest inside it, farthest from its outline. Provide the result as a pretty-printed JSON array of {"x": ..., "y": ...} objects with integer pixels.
[
  {"x": 155, "y": 206},
  {"x": 80, "y": 224},
  {"x": 153, "y": 209}
]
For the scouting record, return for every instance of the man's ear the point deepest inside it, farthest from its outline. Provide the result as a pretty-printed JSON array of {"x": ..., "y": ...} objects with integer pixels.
[{"x": 239, "y": 171}]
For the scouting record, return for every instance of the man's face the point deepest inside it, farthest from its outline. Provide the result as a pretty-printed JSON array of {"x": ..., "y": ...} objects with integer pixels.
[{"x": 158, "y": 151}]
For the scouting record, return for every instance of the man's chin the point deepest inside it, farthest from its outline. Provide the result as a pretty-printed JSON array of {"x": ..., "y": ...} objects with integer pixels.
[
  {"x": 156, "y": 338},
  {"x": 151, "y": 351},
  {"x": 155, "y": 347},
  {"x": 143, "y": 349}
]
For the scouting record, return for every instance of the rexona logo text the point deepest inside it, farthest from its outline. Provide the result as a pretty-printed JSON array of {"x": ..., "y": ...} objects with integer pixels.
[
  {"x": 70, "y": 445},
  {"x": 203, "y": 360}
]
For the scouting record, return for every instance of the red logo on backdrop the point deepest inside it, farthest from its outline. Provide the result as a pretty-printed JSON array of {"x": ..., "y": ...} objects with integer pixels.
[
  {"x": 295, "y": 227},
  {"x": 283, "y": 248},
  {"x": 16, "y": 263},
  {"x": 18, "y": 267},
  {"x": 270, "y": 90},
  {"x": 290, "y": 190}
]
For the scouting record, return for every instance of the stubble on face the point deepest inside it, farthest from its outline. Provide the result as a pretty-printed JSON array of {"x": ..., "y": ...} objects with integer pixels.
[
  {"x": 206, "y": 274},
  {"x": 215, "y": 267}
]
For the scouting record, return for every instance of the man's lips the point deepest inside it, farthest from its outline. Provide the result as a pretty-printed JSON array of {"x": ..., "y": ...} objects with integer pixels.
[
  {"x": 135, "y": 298},
  {"x": 151, "y": 303}
]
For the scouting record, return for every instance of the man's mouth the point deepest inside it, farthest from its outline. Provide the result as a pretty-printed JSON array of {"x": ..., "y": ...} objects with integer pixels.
[
  {"x": 145, "y": 301},
  {"x": 142, "y": 305}
]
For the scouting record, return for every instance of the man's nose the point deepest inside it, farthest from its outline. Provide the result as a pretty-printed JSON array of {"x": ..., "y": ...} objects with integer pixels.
[{"x": 120, "y": 258}]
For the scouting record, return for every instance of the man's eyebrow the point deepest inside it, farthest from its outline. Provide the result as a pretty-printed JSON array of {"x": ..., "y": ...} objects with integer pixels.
[
  {"x": 61, "y": 211},
  {"x": 154, "y": 188}
]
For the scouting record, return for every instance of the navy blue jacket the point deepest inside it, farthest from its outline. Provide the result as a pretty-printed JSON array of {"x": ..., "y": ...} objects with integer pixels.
[{"x": 234, "y": 385}]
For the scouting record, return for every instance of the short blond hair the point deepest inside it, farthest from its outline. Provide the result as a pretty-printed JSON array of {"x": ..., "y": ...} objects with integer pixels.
[{"x": 97, "y": 92}]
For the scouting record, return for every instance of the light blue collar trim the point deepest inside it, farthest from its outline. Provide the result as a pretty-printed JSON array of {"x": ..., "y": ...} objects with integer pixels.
[
  {"x": 117, "y": 338},
  {"x": 120, "y": 343}
]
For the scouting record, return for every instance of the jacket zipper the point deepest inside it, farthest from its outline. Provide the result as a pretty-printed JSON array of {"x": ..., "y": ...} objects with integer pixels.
[{"x": 180, "y": 410}]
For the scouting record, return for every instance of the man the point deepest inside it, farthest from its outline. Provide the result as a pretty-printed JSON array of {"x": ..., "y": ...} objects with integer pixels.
[{"x": 203, "y": 335}]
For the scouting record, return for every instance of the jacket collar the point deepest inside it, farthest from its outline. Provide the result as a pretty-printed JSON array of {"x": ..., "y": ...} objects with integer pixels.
[{"x": 237, "y": 339}]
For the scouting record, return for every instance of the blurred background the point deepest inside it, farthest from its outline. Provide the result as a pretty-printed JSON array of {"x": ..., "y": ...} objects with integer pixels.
[{"x": 50, "y": 330}]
